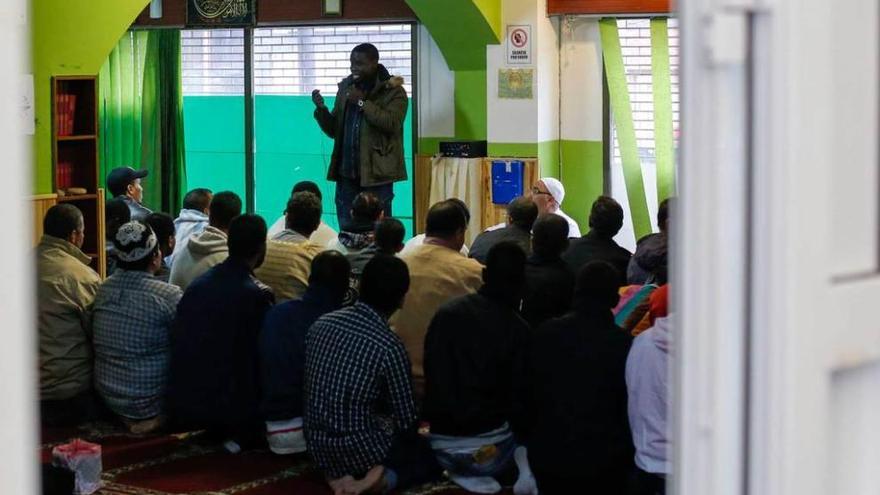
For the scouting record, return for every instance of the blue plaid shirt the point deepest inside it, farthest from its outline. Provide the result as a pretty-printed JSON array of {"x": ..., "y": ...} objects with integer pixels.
[
  {"x": 132, "y": 319},
  {"x": 358, "y": 390}
]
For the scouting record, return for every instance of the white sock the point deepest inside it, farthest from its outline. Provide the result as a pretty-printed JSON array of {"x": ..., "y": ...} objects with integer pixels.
[
  {"x": 476, "y": 484},
  {"x": 525, "y": 483},
  {"x": 232, "y": 446}
]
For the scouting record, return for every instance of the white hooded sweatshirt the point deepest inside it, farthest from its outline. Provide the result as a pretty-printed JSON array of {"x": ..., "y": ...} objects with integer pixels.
[
  {"x": 202, "y": 252},
  {"x": 188, "y": 223},
  {"x": 647, "y": 383}
]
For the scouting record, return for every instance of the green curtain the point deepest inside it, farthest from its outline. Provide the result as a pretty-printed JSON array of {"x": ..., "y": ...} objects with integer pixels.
[
  {"x": 141, "y": 114},
  {"x": 120, "y": 84},
  {"x": 162, "y": 151}
]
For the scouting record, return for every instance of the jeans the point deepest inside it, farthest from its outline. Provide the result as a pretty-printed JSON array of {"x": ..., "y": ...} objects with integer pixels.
[
  {"x": 467, "y": 463},
  {"x": 347, "y": 189}
]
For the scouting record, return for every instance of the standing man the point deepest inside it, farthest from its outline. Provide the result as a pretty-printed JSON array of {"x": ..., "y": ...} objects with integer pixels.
[{"x": 366, "y": 124}]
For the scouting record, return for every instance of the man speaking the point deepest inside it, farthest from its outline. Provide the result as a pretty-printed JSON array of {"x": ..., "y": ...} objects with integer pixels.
[{"x": 366, "y": 125}]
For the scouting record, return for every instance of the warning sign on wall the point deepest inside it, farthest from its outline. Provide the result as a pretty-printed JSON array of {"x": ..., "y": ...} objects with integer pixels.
[{"x": 519, "y": 45}]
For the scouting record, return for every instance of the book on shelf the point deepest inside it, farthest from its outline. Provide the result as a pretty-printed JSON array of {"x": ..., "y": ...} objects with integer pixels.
[{"x": 64, "y": 116}]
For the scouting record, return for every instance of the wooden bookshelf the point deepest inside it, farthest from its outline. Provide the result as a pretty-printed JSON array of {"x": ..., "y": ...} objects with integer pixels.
[{"x": 75, "y": 132}]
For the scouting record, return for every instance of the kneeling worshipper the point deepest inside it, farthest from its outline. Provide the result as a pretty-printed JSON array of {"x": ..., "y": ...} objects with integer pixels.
[
  {"x": 290, "y": 253},
  {"x": 360, "y": 416},
  {"x": 475, "y": 379},
  {"x": 66, "y": 288},
  {"x": 283, "y": 349},
  {"x": 132, "y": 331},
  {"x": 214, "y": 381}
]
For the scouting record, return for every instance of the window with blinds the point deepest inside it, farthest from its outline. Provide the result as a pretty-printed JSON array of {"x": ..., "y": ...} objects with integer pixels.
[
  {"x": 296, "y": 60},
  {"x": 212, "y": 62},
  {"x": 635, "y": 43}
]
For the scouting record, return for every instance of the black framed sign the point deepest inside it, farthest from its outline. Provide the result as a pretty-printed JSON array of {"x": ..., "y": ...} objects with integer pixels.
[{"x": 221, "y": 13}]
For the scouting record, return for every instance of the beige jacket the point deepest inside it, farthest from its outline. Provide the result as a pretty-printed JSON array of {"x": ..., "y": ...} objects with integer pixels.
[
  {"x": 437, "y": 275},
  {"x": 66, "y": 289},
  {"x": 287, "y": 267}
]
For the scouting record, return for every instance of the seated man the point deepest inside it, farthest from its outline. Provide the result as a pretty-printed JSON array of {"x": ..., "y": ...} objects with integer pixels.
[
  {"x": 387, "y": 239},
  {"x": 438, "y": 273},
  {"x": 548, "y": 194},
  {"x": 633, "y": 312},
  {"x": 606, "y": 219},
  {"x": 66, "y": 289},
  {"x": 116, "y": 214},
  {"x": 193, "y": 219},
  {"x": 283, "y": 348},
  {"x": 639, "y": 270},
  {"x": 360, "y": 418},
  {"x": 125, "y": 183},
  {"x": 549, "y": 281},
  {"x": 132, "y": 331},
  {"x": 290, "y": 253},
  {"x": 214, "y": 373},
  {"x": 647, "y": 382},
  {"x": 579, "y": 435},
  {"x": 324, "y": 235},
  {"x": 521, "y": 214},
  {"x": 418, "y": 240},
  {"x": 366, "y": 210},
  {"x": 475, "y": 376},
  {"x": 208, "y": 248},
  {"x": 163, "y": 226}
]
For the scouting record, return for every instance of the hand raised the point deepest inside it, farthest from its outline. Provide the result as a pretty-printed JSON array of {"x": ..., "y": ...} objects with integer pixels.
[{"x": 317, "y": 99}]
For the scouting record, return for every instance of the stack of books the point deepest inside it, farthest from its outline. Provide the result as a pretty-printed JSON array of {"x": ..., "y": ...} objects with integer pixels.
[{"x": 64, "y": 117}]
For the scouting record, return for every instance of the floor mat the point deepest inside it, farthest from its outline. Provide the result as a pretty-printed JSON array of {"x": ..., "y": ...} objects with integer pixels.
[{"x": 190, "y": 464}]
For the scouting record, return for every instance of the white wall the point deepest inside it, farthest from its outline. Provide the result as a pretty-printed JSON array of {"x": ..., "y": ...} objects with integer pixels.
[
  {"x": 547, "y": 86},
  {"x": 436, "y": 89},
  {"x": 581, "y": 83},
  {"x": 508, "y": 120}
]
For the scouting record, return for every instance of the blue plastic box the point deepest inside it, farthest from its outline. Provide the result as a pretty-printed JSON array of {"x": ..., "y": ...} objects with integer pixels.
[{"x": 507, "y": 180}]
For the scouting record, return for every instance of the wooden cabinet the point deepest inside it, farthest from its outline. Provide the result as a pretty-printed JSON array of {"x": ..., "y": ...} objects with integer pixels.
[{"x": 75, "y": 157}]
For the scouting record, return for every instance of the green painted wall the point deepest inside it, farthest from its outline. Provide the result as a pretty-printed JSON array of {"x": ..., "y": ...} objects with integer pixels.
[
  {"x": 70, "y": 37},
  {"x": 470, "y": 104},
  {"x": 548, "y": 158},
  {"x": 514, "y": 150},
  {"x": 289, "y": 148},
  {"x": 582, "y": 174},
  {"x": 461, "y": 28}
]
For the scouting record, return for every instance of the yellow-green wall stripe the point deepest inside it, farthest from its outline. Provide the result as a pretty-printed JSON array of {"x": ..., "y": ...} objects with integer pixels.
[{"x": 662, "y": 85}]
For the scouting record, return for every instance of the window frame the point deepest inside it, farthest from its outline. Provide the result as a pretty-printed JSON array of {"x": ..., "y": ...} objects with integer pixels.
[{"x": 250, "y": 93}]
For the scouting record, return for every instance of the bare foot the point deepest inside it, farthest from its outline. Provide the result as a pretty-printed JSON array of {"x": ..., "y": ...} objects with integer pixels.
[
  {"x": 373, "y": 482},
  {"x": 341, "y": 486}
]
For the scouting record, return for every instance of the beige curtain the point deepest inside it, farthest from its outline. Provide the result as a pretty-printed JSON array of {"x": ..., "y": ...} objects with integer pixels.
[{"x": 459, "y": 178}]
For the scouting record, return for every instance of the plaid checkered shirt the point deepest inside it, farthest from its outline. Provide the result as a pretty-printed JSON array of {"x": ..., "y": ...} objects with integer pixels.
[
  {"x": 358, "y": 390},
  {"x": 132, "y": 319}
]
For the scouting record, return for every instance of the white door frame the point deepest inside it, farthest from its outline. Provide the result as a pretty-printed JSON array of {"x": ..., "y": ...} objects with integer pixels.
[
  {"x": 777, "y": 347},
  {"x": 18, "y": 381}
]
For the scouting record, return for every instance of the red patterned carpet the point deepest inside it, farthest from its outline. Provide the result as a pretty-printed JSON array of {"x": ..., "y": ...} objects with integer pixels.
[{"x": 187, "y": 463}]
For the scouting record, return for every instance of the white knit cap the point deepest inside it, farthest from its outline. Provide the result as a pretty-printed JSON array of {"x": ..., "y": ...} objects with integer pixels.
[{"x": 555, "y": 188}]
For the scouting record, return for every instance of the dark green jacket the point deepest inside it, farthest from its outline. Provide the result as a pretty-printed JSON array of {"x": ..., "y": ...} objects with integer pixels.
[{"x": 381, "y": 157}]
